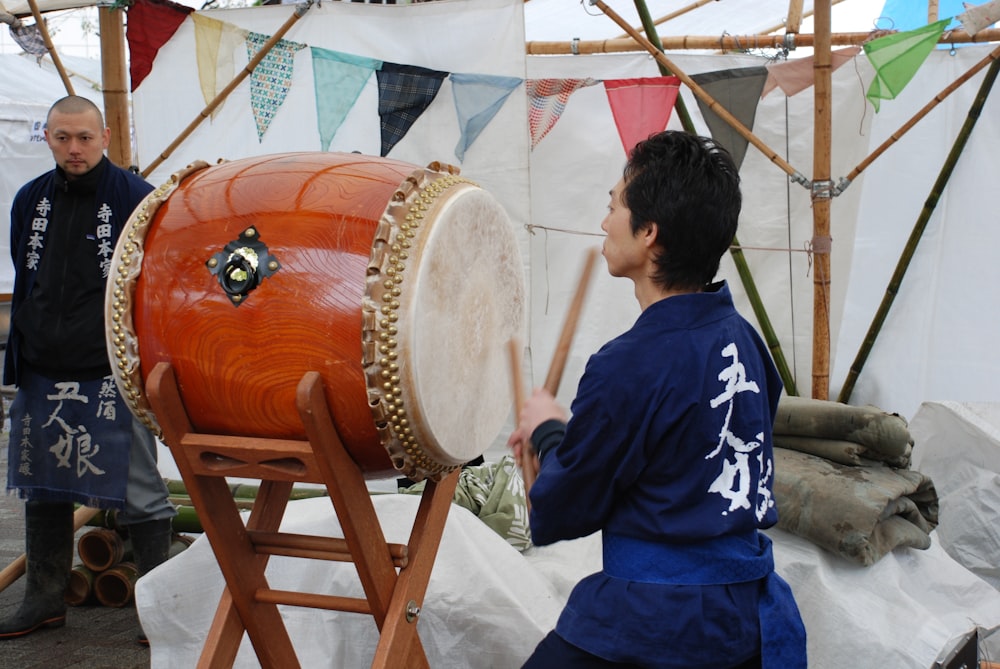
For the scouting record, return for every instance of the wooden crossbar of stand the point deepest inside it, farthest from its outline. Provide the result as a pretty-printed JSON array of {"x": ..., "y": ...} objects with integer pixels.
[{"x": 248, "y": 604}]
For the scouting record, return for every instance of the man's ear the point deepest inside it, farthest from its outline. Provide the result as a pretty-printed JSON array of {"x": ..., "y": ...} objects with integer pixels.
[{"x": 649, "y": 234}]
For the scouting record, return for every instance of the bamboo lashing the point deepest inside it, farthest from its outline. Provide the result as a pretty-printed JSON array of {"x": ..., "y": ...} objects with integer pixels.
[
  {"x": 47, "y": 40},
  {"x": 903, "y": 129},
  {"x": 702, "y": 94},
  {"x": 300, "y": 10},
  {"x": 16, "y": 568}
]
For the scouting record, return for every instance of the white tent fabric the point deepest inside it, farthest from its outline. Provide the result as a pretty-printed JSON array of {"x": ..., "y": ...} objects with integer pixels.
[{"x": 488, "y": 605}]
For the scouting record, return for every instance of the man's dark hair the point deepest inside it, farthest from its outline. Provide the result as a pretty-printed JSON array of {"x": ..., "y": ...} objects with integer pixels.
[{"x": 690, "y": 187}]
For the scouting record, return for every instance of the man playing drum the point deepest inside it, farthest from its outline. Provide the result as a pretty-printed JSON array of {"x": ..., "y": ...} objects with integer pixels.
[{"x": 668, "y": 451}]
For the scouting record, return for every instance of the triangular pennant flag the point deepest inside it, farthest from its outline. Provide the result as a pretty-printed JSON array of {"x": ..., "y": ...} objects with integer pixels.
[
  {"x": 738, "y": 91},
  {"x": 547, "y": 99},
  {"x": 796, "y": 75},
  {"x": 215, "y": 41},
  {"x": 404, "y": 92},
  {"x": 150, "y": 24},
  {"x": 271, "y": 79},
  {"x": 977, "y": 17},
  {"x": 30, "y": 39},
  {"x": 641, "y": 106},
  {"x": 478, "y": 97},
  {"x": 897, "y": 57},
  {"x": 339, "y": 79}
]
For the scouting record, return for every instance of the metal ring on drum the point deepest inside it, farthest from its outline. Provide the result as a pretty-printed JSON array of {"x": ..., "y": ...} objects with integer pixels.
[{"x": 399, "y": 285}]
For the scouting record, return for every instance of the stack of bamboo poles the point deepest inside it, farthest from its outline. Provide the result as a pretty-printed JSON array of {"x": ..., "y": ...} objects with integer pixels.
[{"x": 106, "y": 571}]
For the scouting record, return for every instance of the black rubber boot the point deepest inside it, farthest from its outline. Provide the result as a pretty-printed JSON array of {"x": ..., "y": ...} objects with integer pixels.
[
  {"x": 150, "y": 548},
  {"x": 48, "y": 531}
]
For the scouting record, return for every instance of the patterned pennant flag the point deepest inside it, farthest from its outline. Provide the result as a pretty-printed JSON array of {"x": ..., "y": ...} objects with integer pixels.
[
  {"x": 271, "y": 79},
  {"x": 548, "y": 98},
  {"x": 897, "y": 57},
  {"x": 150, "y": 24},
  {"x": 641, "y": 106},
  {"x": 404, "y": 92},
  {"x": 215, "y": 43},
  {"x": 977, "y": 17},
  {"x": 796, "y": 75},
  {"x": 30, "y": 39},
  {"x": 339, "y": 79},
  {"x": 478, "y": 97},
  {"x": 738, "y": 91}
]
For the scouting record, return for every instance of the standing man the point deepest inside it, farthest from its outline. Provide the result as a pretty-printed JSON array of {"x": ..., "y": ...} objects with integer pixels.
[
  {"x": 72, "y": 437},
  {"x": 668, "y": 451}
]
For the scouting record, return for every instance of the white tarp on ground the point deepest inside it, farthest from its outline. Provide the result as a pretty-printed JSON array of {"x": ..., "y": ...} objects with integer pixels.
[
  {"x": 488, "y": 605},
  {"x": 959, "y": 448}
]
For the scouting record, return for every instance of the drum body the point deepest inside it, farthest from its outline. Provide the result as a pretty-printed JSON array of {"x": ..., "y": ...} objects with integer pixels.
[{"x": 399, "y": 285}]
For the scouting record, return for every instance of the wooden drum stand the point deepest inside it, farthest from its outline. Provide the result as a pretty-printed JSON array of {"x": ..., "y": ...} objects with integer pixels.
[{"x": 248, "y": 603}]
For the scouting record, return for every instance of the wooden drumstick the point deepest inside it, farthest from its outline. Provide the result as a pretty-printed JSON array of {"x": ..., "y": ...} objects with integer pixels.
[
  {"x": 527, "y": 452},
  {"x": 558, "y": 363}
]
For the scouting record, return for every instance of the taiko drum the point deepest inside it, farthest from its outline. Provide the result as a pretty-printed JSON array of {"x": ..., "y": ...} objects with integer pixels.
[{"x": 399, "y": 285}]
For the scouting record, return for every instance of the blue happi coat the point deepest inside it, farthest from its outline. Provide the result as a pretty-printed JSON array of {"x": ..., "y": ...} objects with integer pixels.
[{"x": 669, "y": 454}]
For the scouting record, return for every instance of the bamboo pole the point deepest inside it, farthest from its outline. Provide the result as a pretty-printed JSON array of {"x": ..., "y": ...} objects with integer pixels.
[
  {"x": 116, "y": 115},
  {"x": 993, "y": 56},
  {"x": 722, "y": 112},
  {"x": 673, "y": 15},
  {"x": 654, "y": 38},
  {"x": 736, "y": 42},
  {"x": 918, "y": 230},
  {"x": 300, "y": 10},
  {"x": 821, "y": 195},
  {"x": 742, "y": 268},
  {"x": 932, "y": 11},
  {"x": 786, "y": 26},
  {"x": 16, "y": 568},
  {"x": 794, "y": 22},
  {"x": 47, "y": 39}
]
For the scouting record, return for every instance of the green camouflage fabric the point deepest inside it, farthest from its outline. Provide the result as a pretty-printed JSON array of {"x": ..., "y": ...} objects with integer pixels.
[{"x": 494, "y": 492}]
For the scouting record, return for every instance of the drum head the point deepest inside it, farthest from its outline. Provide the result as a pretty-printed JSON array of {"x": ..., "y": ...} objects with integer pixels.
[{"x": 450, "y": 295}]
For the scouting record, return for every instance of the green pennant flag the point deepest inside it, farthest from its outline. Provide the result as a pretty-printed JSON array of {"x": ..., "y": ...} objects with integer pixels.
[{"x": 897, "y": 57}]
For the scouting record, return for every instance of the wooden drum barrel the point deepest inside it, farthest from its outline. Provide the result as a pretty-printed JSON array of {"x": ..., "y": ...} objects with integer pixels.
[{"x": 399, "y": 285}]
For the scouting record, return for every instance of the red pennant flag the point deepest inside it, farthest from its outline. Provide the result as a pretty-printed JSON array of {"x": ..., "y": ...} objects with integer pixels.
[
  {"x": 641, "y": 106},
  {"x": 150, "y": 24}
]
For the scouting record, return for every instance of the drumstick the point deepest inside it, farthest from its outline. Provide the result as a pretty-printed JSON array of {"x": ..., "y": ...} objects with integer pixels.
[
  {"x": 569, "y": 327},
  {"x": 527, "y": 452},
  {"x": 554, "y": 377}
]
